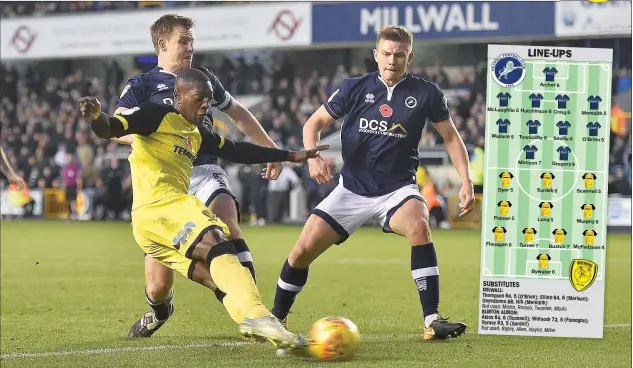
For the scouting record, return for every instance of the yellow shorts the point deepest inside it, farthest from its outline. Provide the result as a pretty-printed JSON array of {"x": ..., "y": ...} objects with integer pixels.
[{"x": 169, "y": 229}]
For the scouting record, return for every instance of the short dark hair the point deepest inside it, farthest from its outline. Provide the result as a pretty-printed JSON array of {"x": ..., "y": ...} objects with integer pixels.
[
  {"x": 395, "y": 34},
  {"x": 164, "y": 26},
  {"x": 193, "y": 77}
]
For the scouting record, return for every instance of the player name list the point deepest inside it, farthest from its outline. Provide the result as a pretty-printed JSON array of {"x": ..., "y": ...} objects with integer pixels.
[{"x": 526, "y": 307}]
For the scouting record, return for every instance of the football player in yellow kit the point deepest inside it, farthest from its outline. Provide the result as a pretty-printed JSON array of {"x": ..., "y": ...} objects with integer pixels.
[{"x": 176, "y": 228}]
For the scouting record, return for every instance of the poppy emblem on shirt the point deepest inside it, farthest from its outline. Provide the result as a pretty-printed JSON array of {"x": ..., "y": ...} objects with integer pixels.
[{"x": 385, "y": 111}]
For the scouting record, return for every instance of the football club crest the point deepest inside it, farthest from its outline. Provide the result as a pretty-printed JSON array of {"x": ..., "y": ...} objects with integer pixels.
[
  {"x": 508, "y": 70},
  {"x": 411, "y": 102},
  {"x": 582, "y": 274},
  {"x": 188, "y": 141}
]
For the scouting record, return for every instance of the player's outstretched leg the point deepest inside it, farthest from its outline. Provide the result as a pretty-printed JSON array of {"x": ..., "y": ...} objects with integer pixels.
[
  {"x": 159, "y": 295},
  {"x": 412, "y": 221},
  {"x": 316, "y": 237},
  {"x": 236, "y": 281},
  {"x": 224, "y": 206}
]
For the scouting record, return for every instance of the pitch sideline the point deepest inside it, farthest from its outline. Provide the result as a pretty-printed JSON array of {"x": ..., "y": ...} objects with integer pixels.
[{"x": 102, "y": 351}]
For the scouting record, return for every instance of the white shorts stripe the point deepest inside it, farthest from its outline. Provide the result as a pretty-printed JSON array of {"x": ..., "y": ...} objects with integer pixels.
[
  {"x": 245, "y": 257},
  {"x": 427, "y": 271},
  {"x": 288, "y": 287}
]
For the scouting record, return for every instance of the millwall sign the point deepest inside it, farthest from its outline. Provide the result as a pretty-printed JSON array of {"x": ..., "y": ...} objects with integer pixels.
[
  {"x": 422, "y": 19},
  {"x": 361, "y": 21}
]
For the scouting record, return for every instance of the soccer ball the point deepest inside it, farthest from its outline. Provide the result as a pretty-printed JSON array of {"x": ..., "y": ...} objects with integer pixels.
[{"x": 334, "y": 338}]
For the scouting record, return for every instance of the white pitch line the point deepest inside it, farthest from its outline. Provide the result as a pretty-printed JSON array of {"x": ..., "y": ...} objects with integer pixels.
[
  {"x": 535, "y": 169},
  {"x": 104, "y": 351}
]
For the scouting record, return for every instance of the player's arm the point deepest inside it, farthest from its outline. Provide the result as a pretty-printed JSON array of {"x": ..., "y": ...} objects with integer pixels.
[
  {"x": 333, "y": 109},
  {"x": 8, "y": 171},
  {"x": 336, "y": 106},
  {"x": 248, "y": 153},
  {"x": 132, "y": 96},
  {"x": 143, "y": 120},
  {"x": 240, "y": 116},
  {"x": 320, "y": 120},
  {"x": 319, "y": 170},
  {"x": 441, "y": 118}
]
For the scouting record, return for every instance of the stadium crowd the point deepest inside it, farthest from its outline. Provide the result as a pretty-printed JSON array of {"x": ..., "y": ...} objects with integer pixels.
[
  {"x": 43, "y": 133},
  {"x": 41, "y": 8}
]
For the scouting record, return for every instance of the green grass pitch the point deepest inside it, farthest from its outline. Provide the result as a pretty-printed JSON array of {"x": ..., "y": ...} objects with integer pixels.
[{"x": 71, "y": 291}]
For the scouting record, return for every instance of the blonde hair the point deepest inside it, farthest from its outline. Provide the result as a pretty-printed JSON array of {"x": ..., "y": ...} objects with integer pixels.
[
  {"x": 395, "y": 34},
  {"x": 164, "y": 26}
]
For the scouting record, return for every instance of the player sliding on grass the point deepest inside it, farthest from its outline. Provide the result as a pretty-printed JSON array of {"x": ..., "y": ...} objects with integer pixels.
[
  {"x": 173, "y": 39},
  {"x": 385, "y": 114},
  {"x": 175, "y": 228}
]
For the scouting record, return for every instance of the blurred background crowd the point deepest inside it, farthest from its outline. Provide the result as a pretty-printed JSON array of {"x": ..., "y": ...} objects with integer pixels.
[{"x": 43, "y": 133}]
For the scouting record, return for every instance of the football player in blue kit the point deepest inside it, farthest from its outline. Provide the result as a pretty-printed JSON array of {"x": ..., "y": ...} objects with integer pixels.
[
  {"x": 173, "y": 39},
  {"x": 384, "y": 115}
]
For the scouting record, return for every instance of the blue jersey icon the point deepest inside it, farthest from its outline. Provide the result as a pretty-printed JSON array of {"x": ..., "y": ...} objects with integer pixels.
[
  {"x": 533, "y": 125},
  {"x": 562, "y": 127},
  {"x": 504, "y": 99},
  {"x": 594, "y": 102},
  {"x": 536, "y": 100},
  {"x": 563, "y": 153},
  {"x": 562, "y": 101},
  {"x": 503, "y": 125},
  {"x": 529, "y": 151},
  {"x": 550, "y": 74},
  {"x": 593, "y": 128}
]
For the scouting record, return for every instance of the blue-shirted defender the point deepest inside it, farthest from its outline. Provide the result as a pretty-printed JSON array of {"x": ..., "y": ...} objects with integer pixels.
[{"x": 384, "y": 116}]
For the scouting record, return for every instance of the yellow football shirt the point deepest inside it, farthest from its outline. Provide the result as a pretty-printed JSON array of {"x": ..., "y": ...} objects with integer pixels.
[
  {"x": 587, "y": 210},
  {"x": 163, "y": 151},
  {"x": 546, "y": 209},
  {"x": 505, "y": 179},
  {"x": 589, "y": 180},
  {"x": 504, "y": 207},
  {"x": 499, "y": 233},
  {"x": 547, "y": 179},
  {"x": 529, "y": 234},
  {"x": 165, "y": 146},
  {"x": 559, "y": 235},
  {"x": 543, "y": 260},
  {"x": 589, "y": 236}
]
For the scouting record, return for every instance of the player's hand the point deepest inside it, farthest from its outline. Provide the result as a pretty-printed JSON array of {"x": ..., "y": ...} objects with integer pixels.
[
  {"x": 272, "y": 171},
  {"x": 18, "y": 181},
  {"x": 466, "y": 198},
  {"x": 304, "y": 155},
  {"x": 90, "y": 107},
  {"x": 320, "y": 171}
]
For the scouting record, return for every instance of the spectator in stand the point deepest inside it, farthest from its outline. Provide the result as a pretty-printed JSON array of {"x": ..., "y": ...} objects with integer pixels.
[
  {"x": 279, "y": 194},
  {"x": 38, "y": 9},
  {"x": 618, "y": 183},
  {"x": 40, "y": 124},
  {"x": 72, "y": 183}
]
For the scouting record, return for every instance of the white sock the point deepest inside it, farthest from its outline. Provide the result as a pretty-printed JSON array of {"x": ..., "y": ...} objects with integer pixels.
[{"x": 429, "y": 319}]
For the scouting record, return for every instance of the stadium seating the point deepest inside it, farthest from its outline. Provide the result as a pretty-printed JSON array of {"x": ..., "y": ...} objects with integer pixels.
[{"x": 40, "y": 120}]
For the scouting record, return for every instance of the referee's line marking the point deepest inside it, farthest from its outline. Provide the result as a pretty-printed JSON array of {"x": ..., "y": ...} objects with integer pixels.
[{"x": 104, "y": 351}]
